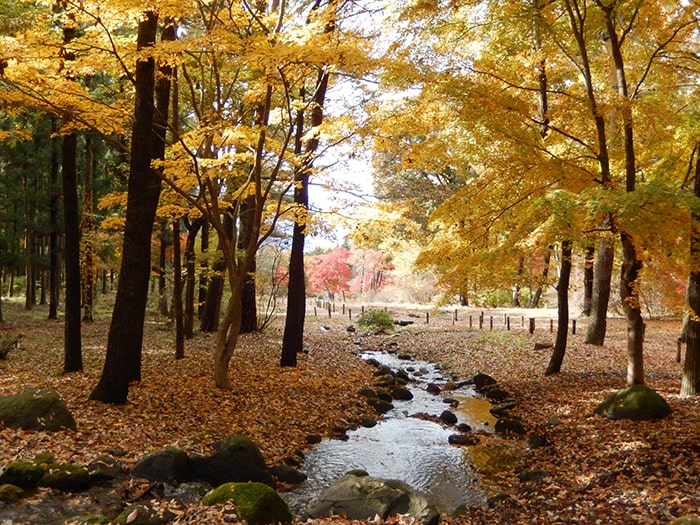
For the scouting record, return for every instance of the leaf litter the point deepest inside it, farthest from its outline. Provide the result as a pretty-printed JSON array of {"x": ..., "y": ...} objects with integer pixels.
[{"x": 597, "y": 471}]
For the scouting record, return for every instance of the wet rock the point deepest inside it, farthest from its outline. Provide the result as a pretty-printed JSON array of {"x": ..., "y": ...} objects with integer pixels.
[
  {"x": 463, "y": 427},
  {"x": 401, "y": 393},
  {"x": 379, "y": 405},
  {"x": 502, "y": 408},
  {"x": 364, "y": 497},
  {"x": 140, "y": 515},
  {"x": 448, "y": 417},
  {"x": 463, "y": 439},
  {"x": 36, "y": 410},
  {"x": 368, "y": 421},
  {"x": 495, "y": 392},
  {"x": 312, "y": 439},
  {"x": 638, "y": 402},
  {"x": 531, "y": 475},
  {"x": 256, "y": 503},
  {"x": 432, "y": 388},
  {"x": 287, "y": 474},
  {"x": 385, "y": 380},
  {"x": 170, "y": 464},
  {"x": 480, "y": 381}
]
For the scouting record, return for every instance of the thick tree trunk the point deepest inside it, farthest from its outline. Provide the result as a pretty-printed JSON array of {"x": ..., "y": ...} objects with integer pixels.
[
  {"x": 588, "y": 281},
  {"x": 597, "y": 324},
  {"x": 123, "y": 359},
  {"x": 555, "y": 362},
  {"x": 629, "y": 294},
  {"x": 211, "y": 315},
  {"x": 73, "y": 360}
]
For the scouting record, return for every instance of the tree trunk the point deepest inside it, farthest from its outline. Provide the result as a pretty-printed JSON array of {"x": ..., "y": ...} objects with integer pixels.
[
  {"x": 203, "y": 279},
  {"x": 249, "y": 308},
  {"x": 690, "y": 382},
  {"x": 588, "y": 281},
  {"x": 87, "y": 227},
  {"x": 193, "y": 227},
  {"x": 211, "y": 315},
  {"x": 597, "y": 324},
  {"x": 73, "y": 361},
  {"x": 177, "y": 293},
  {"x": 123, "y": 359},
  {"x": 162, "y": 261},
  {"x": 535, "y": 300},
  {"x": 555, "y": 362},
  {"x": 54, "y": 260}
]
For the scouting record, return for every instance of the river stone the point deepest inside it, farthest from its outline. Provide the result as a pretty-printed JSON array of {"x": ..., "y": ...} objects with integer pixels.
[
  {"x": 638, "y": 402},
  {"x": 170, "y": 464},
  {"x": 481, "y": 381},
  {"x": 104, "y": 467},
  {"x": 364, "y": 497},
  {"x": 448, "y": 417},
  {"x": 463, "y": 439},
  {"x": 22, "y": 474},
  {"x": 289, "y": 475},
  {"x": 10, "y": 493},
  {"x": 237, "y": 458},
  {"x": 256, "y": 503},
  {"x": 65, "y": 477},
  {"x": 36, "y": 410}
]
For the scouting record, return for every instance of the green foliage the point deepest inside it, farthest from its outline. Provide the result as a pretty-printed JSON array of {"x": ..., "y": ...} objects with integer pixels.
[{"x": 376, "y": 321}]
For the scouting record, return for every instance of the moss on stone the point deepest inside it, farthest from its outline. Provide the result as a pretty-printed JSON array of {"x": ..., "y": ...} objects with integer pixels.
[
  {"x": 65, "y": 477},
  {"x": 9, "y": 492},
  {"x": 638, "y": 402},
  {"x": 22, "y": 474},
  {"x": 256, "y": 503}
]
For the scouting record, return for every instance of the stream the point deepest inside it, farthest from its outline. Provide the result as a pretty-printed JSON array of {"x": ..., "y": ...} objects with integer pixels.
[{"x": 415, "y": 451}]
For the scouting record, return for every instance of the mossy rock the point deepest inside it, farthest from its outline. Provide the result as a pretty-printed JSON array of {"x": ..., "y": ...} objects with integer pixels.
[
  {"x": 65, "y": 477},
  {"x": 686, "y": 520},
  {"x": 368, "y": 421},
  {"x": 401, "y": 392},
  {"x": 379, "y": 405},
  {"x": 368, "y": 392},
  {"x": 531, "y": 475},
  {"x": 638, "y": 402},
  {"x": 10, "y": 493},
  {"x": 22, "y": 474},
  {"x": 384, "y": 395},
  {"x": 44, "y": 458},
  {"x": 255, "y": 502}
]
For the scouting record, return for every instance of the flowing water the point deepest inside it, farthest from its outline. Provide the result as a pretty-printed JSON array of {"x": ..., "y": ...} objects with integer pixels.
[{"x": 415, "y": 451}]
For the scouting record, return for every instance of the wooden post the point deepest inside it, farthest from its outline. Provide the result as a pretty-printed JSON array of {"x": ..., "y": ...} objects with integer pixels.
[
  {"x": 532, "y": 325},
  {"x": 456, "y": 315},
  {"x": 491, "y": 323},
  {"x": 470, "y": 321},
  {"x": 315, "y": 312},
  {"x": 343, "y": 308},
  {"x": 508, "y": 323},
  {"x": 573, "y": 327},
  {"x": 551, "y": 326},
  {"x": 679, "y": 342},
  {"x": 329, "y": 310},
  {"x": 350, "y": 313},
  {"x": 363, "y": 309},
  {"x": 427, "y": 317},
  {"x": 481, "y": 322}
]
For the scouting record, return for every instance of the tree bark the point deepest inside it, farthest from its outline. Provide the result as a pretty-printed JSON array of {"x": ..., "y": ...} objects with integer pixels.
[
  {"x": 249, "y": 307},
  {"x": 73, "y": 360},
  {"x": 193, "y": 226},
  {"x": 555, "y": 362},
  {"x": 535, "y": 300},
  {"x": 588, "y": 281},
  {"x": 690, "y": 381},
  {"x": 125, "y": 339},
  {"x": 597, "y": 324},
  {"x": 211, "y": 314},
  {"x": 177, "y": 293},
  {"x": 54, "y": 261},
  {"x": 87, "y": 227}
]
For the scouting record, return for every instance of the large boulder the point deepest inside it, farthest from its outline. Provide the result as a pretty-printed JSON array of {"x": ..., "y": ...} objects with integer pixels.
[
  {"x": 638, "y": 402},
  {"x": 359, "y": 497},
  {"x": 171, "y": 465},
  {"x": 236, "y": 458},
  {"x": 36, "y": 410},
  {"x": 256, "y": 503}
]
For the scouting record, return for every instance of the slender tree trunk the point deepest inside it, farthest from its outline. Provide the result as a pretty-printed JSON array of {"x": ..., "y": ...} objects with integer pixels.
[
  {"x": 87, "y": 228},
  {"x": 193, "y": 227},
  {"x": 516, "y": 288},
  {"x": 631, "y": 262},
  {"x": 555, "y": 362},
  {"x": 162, "y": 261},
  {"x": 535, "y": 301},
  {"x": 690, "y": 382},
  {"x": 54, "y": 260},
  {"x": 177, "y": 293},
  {"x": 123, "y": 359},
  {"x": 249, "y": 309},
  {"x": 211, "y": 316},
  {"x": 73, "y": 361},
  {"x": 597, "y": 325},
  {"x": 203, "y": 279},
  {"x": 588, "y": 281}
]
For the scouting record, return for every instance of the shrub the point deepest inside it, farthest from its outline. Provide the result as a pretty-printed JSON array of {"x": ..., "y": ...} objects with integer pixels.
[{"x": 376, "y": 321}]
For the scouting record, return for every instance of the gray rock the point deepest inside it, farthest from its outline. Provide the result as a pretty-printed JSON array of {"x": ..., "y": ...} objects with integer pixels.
[
  {"x": 170, "y": 464},
  {"x": 638, "y": 402},
  {"x": 364, "y": 497},
  {"x": 104, "y": 467},
  {"x": 237, "y": 458},
  {"x": 36, "y": 410}
]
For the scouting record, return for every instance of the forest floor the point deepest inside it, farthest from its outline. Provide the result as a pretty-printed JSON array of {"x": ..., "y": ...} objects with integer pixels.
[{"x": 598, "y": 471}]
